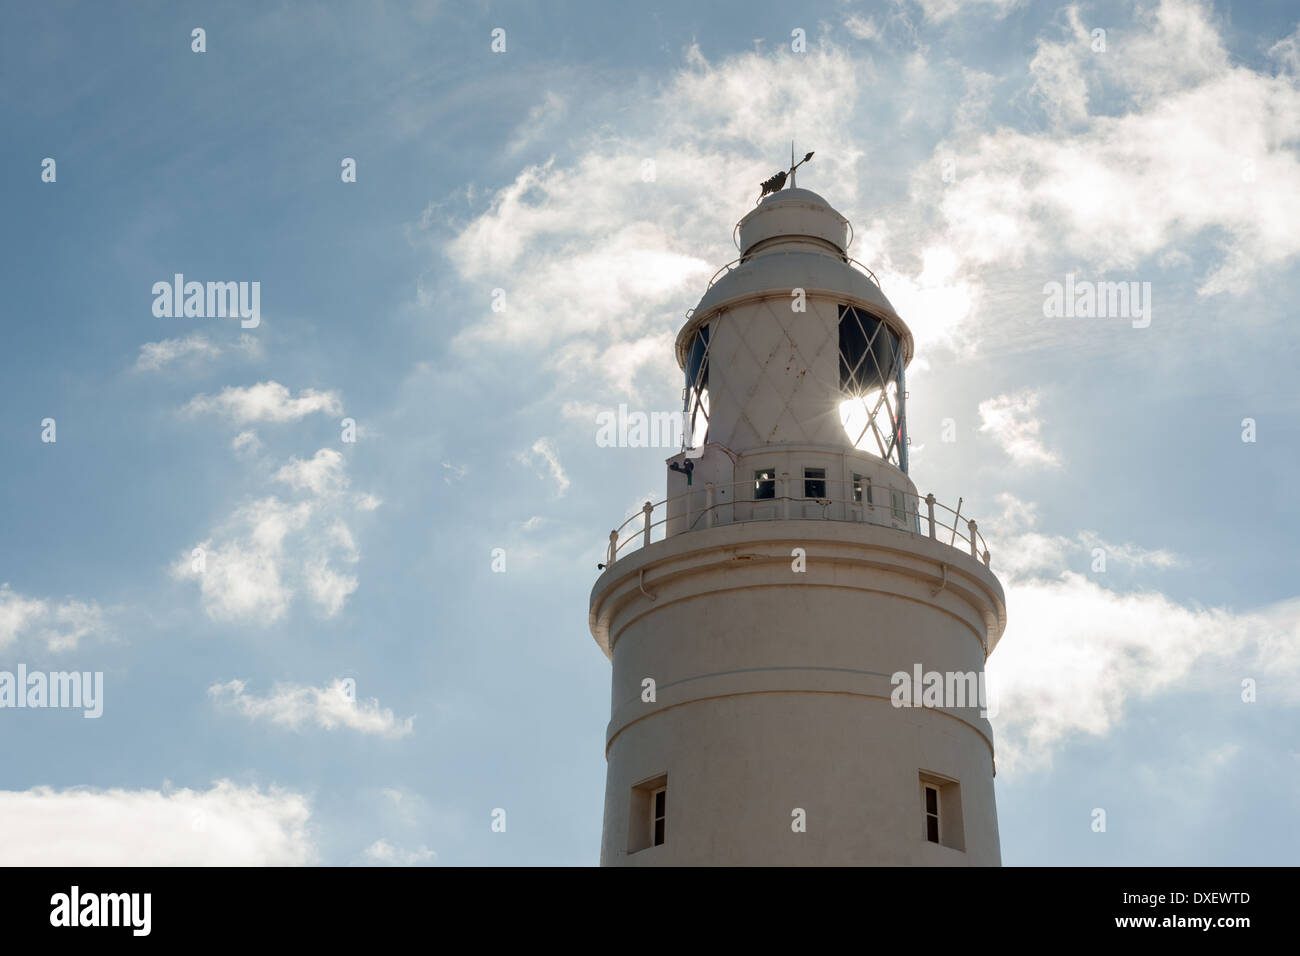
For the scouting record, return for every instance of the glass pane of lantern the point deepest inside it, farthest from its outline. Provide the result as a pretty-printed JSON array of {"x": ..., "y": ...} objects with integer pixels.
[
  {"x": 697, "y": 365},
  {"x": 869, "y": 352},
  {"x": 697, "y": 391}
]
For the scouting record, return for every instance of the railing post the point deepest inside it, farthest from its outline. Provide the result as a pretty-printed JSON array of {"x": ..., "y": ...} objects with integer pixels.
[
  {"x": 929, "y": 504},
  {"x": 708, "y": 504},
  {"x": 646, "y": 510},
  {"x": 986, "y": 557},
  {"x": 785, "y": 494},
  {"x": 973, "y": 552},
  {"x": 612, "y": 554}
]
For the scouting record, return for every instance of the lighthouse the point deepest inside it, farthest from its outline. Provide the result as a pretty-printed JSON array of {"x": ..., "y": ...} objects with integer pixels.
[{"x": 797, "y": 635}]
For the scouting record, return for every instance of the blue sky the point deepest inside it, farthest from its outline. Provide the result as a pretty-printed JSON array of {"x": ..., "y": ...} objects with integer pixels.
[{"x": 1169, "y": 157}]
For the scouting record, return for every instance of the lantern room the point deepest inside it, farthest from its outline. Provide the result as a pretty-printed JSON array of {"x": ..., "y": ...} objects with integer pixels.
[{"x": 794, "y": 342}]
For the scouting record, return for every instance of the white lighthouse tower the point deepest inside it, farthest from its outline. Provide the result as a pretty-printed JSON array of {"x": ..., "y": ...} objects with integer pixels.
[{"x": 758, "y": 617}]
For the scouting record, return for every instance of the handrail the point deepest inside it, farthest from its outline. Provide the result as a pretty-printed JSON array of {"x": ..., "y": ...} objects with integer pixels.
[
  {"x": 641, "y": 525},
  {"x": 870, "y": 275},
  {"x": 725, "y": 268}
]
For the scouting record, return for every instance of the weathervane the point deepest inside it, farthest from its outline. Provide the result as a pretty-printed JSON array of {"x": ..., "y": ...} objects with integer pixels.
[{"x": 778, "y": 181}]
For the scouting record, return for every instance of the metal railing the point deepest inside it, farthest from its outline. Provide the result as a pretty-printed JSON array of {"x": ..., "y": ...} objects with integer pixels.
[
  {"x": 863, "y": 268},
  {"x": 861, "y": 502}
]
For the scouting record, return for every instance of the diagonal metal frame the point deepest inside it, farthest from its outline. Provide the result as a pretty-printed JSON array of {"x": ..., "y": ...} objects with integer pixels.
[
  {"x": 694, "y": 404},
  {"x": 888, "y": 441},
  {"x": 889, "y": 446}
]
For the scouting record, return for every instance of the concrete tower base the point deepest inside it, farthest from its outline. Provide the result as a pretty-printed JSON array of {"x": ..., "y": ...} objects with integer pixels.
[{"x": 771, "y": 729}]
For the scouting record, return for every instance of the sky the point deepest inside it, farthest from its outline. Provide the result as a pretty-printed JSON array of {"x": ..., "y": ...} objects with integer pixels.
[{"x": 333, "y": 560}]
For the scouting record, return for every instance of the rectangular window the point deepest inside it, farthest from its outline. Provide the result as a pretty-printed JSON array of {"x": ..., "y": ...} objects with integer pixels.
[
  {"x": 764, "y": 484},
  {"x": 861, "y": 489},
  {"x": 941, "y": 811},
  {"x": 814, "y": 482},
  {"x": 647, "y": 818},
  {"x": 900, "y": 511},
  {"x": 932, "y": 814}
]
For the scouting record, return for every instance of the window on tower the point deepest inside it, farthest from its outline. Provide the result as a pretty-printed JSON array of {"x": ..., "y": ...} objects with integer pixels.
[
  {"x": 764, "y": 484},
  {"x": 861, "y": 489},
  {"x": 814, "y": 482},
  {"x": 932, "y": 813},
  {"x": 647, "y": 816},
  {"x": 941, "y": 816}
]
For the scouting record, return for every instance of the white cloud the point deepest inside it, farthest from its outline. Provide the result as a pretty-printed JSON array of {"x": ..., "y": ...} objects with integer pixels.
[
  {"x": 863, "y": 28},
  {"x": 226, "y": 825},
  {"x": 598, "y": 263},
  {"x": 1058, "y": 75},
  {"x": 242, "y": 574},
  {"x": 584, "y": 412},
  {"x": 383, "y": 852},
  {"x": 71, "y": 621},
  {"x": 154, "y": 356},
  {"x": 256, "y": 561},
  {"x": 1286, "y": 52},
  {"x": 246, "y": 443},
  {"x": 940, "y": 10},
  {"x": 295, "y": 705},
  {"x": 323, "y": 474},
  {"x": 618, "y": 365},
  {"x": 17, "y": 614},
  {"x": 541, "y": 118},
  {"x": 1075, "y": 653},
  {"x": 543, "y": 449},
  {"x": 1011, "y": 422},
  {"x": 330, "y": 589},
  {"x": 1195, "y": 147},
  {"x": 265, "y": 402},
  {"x": 1030, "y": 553},
  {"x": 61, "y": 625},
  {"x": 1128, "y": 553},
  {"x": 1022, "y": 551},
  {"x": 938, "y": 302}
]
